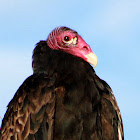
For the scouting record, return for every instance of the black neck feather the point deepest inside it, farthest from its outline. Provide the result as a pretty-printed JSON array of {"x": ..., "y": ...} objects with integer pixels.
[{"x": 63, "y": 65}]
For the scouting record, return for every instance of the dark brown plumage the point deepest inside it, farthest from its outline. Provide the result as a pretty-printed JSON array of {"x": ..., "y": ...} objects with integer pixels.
[{"x": 63, "y": 100}]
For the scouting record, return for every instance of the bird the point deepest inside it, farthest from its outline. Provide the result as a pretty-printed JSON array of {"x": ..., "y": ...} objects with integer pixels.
[{"x": 63, "y": 99}]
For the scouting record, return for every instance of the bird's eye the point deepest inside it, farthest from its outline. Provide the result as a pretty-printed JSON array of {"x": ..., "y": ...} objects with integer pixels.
[{"x": 66, "y": 38}]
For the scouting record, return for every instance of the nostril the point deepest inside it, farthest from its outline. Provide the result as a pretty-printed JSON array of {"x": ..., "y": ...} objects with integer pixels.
[{"x": 85, "y": 49}]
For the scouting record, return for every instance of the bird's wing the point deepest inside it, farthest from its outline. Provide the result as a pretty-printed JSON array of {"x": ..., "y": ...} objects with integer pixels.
[
  {"x": 30, "y": 113},
  {"x": 110, "y": 117}
]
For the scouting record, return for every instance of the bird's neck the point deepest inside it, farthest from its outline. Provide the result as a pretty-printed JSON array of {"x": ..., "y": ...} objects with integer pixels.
[{"x": 59, "y": 63}]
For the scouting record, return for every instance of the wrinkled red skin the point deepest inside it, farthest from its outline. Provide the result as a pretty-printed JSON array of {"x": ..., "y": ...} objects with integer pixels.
[{"x": 56, "y": 42}]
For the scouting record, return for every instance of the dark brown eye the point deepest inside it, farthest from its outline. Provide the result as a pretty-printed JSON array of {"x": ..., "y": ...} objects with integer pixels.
[{"x": 66, "y": 38}]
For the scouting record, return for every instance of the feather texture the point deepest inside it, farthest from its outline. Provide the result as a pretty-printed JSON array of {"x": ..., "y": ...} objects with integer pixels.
[{"x": 32, "y": 105}]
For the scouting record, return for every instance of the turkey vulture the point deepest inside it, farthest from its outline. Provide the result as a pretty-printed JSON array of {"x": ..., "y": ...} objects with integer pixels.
[{"x": 64, "y": 99}]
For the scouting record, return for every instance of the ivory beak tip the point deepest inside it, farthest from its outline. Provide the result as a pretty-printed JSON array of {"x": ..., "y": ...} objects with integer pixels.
[{"x": 92, "y": 59}]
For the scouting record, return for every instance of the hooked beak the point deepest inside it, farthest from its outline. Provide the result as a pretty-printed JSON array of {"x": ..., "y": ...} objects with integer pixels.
[{"x": 92, "y": 59}]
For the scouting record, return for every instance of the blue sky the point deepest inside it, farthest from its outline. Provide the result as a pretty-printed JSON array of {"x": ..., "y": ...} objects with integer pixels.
[{"x": 110, "y": 27}]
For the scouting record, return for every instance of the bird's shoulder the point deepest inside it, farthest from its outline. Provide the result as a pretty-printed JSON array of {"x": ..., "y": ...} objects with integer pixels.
[
  {"x": 110, "y": 113},
  {"x": 25, "y": 112}
]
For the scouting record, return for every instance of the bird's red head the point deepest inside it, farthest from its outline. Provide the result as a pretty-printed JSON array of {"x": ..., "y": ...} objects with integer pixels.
[{"x": 68, "y": 40}]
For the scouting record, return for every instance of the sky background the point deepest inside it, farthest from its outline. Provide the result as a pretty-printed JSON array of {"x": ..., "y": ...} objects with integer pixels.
[{"x": 110, "y": 27}]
